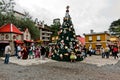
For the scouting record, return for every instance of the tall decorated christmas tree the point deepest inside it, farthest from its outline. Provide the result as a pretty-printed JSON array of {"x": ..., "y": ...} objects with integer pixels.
[{"x": 66, "y": 39}]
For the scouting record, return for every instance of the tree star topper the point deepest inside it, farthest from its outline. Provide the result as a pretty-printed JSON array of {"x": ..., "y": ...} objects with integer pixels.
[{"x": 67, "y": 9}]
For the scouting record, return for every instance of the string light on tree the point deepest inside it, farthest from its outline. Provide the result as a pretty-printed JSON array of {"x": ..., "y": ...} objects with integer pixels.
[{"x": 67, "y": 40}]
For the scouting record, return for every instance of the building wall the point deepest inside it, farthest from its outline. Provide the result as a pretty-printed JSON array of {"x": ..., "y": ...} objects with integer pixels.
[
  {"x": 10, "y": 37},
  {"x": 94, "y": 37},
  {"x": 4, "y": 36},
  {"x": 45, "y": 36},
  {"x": 26, "y": 35},
  {"x": 18, "y": 15},
  {"x": 103, "y": 40}
]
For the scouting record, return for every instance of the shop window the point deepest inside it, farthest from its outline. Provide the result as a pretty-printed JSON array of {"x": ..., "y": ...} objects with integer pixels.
[{"x": 43, "y": 37}]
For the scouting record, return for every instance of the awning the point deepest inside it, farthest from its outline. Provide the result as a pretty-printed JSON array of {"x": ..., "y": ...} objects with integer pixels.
[
  {"x": 113, "y": 39},
  {"x": 19, "y": 42}
]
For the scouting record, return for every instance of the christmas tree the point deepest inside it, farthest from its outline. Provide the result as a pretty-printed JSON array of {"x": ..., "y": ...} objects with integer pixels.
[{"x": 66, "y": 39}]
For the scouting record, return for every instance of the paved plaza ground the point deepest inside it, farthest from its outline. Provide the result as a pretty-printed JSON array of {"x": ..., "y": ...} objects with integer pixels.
[
  {"x": 91, "y": 68},
  {"x": 28, "y": 62},
  {"x": 96, "y": 60}
]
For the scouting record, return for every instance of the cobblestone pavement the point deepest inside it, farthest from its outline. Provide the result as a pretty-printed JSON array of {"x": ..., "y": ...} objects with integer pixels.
[
  {"x": 99, "y": 61},
  {"x": 96, "y": 60},
  {"x": 54, "y": 70},
  {"x": 28, "y": 62}
]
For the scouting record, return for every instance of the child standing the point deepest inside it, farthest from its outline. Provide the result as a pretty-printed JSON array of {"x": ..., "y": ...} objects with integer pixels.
[{"x": 73, "y": 57}]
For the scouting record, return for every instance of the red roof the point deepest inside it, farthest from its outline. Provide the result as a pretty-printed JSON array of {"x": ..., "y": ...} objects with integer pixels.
[
  {"x": 10, "y": 28},
  {"x": 82, "y": 40}
]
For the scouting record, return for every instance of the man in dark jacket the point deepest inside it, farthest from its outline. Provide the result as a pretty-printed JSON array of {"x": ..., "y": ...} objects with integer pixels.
[{"x": 43, "y": 51}]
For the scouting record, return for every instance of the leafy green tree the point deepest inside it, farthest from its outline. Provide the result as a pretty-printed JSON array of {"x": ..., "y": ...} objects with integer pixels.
[
  {"x": 3, "y": 6},
  {"x": 55, "y": 27},
  {"x": 21, "y": 24},
  {"x": 8, "y": 17},
  {"x": 115, "y": 27},
  {"x": 35, "y": 34},
  {"x": 7, "y": 6}
]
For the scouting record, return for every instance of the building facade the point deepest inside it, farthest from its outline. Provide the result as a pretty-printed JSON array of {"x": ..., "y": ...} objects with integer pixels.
[
  {"x": 96, "y": 40},
  {"x": 81, "y": 40},
  {"x": 27, "y": 37},
  {"x": 18, "y": 15},
  {"x": 10, "y": 34},
  {"x": 45, "y": 32},
  {"x": 45, "y": 35}
]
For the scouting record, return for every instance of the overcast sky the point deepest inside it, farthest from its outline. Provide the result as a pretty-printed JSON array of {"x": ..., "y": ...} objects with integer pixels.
[{"x": 85, "y": 14}]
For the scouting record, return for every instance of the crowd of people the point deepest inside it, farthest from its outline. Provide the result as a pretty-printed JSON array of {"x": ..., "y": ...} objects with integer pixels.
[
  {"x": 31, "y": 52},
  {"x": 105, "y": 52},
  {"x": 110, "y": 50}
]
